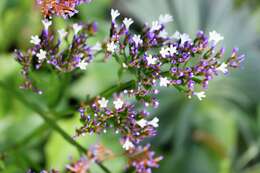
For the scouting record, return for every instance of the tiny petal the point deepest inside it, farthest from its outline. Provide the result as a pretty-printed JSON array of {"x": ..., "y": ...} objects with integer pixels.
[
  {"x": 76, "y": 27},
  {"x": 35, "y": 40},
  {"x": 215, "y": 37},
  {"x": 164, "y": 82},
  {"x": 41, "y": 55},
  {"x": 103, "y": 102},
  {"x": 154, "y": 122},
  {"x": 114, "y": 14},
  {"x": 118, "y": 103},
  {"x": 46, "y": 23},
  {"x": 128, "y": 22},
  {"x": 83, "y": 65},
  {"x": 142, "y": 123},
  {"x": 200, "y": 95},
  {"x": 128, "y": 144},
  {"x": 164, "y": 19}
]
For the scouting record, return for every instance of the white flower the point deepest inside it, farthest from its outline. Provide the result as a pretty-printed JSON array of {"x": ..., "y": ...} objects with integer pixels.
[
  {"x": 172, "y": 50},
  {"x": 128, "y": 22},
  {"x": 128, "y": 144},
  {"x": 184, "y": 38},
  {"x": 76, "y": 27},
  {"x": 215, "y": 37},
  {"x": 137, "y": 39},
  {"x": 41, "y": 55},
  {"x": 111, "y": 47},
  {"x": 164, "y": 19},
  {"x": 114, "y": 14},
  {"x": 223, "y": 68},
  {"x": 35, "y": 40},
  {"x": 96, "y": 47},
  {"x": 154, "y": 122},
  {"x": 164, "y": 82},
  {"x": 118, "y": 103},
  {"x": 46, "y": 23},
  {"x": 83, "y": 65},
  {"x": 164, "y": 52},
  {"x": 62, "y": 33},
  {"x": 103, "y": 102},
  {"x": 177, "y": 35},
  {"x": 200, "y": 95},
  {"x": 163, "y": 34},
  {"x": 155, "y": 26},
  {"x": 151, "y": 60},
  {"x": 142, "y": 123}
]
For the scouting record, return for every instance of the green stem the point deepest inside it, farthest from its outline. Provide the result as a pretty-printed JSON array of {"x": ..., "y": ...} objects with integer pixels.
[{"x": 46, "y": 117}]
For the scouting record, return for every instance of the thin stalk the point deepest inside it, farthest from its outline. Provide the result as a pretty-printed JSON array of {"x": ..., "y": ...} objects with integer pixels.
[{"x": 51, "y": 122}]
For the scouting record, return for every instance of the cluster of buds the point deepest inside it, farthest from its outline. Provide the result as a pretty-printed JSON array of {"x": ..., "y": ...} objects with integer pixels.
[
  {"x": 143, "y": 159},
  {"x": 159, "y": 59},
  {"x": 96, "y": 154},
  {"x": 64, "y": 8},
  {"x": 63, "y": 51},
  {"x": 120, "y": 115}
]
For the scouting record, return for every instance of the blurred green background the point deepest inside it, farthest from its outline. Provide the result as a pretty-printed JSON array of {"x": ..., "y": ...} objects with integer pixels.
[{"x": 218, "y": 135}]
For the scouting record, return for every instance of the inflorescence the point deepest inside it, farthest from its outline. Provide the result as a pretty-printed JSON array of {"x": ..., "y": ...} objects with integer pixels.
[{"x": 155, "y": 58}]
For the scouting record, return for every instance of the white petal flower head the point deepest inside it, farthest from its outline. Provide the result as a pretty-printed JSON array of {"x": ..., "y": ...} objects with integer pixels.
[
  {"x": 215, "y": 37},
  {"x": 164, "y": 19},
  {"x": 128, "y": 144},
  {"x": 163, "y": 34},
  {"x": 46, "y": 23},
  {"x": 128, "y": 22},
  {"x": 103, "y": 102},
  {"x": 142, "y": 123},
  {"x": 151, "y": 60},
  {"x": 154, "y": 122},
  {"x": 177, "y": 35},
  {"x": 164, "y": 82},
  {"x": 35, "y": 40},
  {"x": 76, "y": 27},
  {"x": 83, "y": 65},
  {"x": 111, "y": 47},
  {"x": 223, "y": 68},
  {"x": 172, "y": 50},
  {"x": 155, "y": 26},
  {"x": 114, "y": 14},
  {"x": 62, "y": 33},
  {"x": 41, "y": 55},
  {"x": 184, "y": 38},
  {"x": 118, "y": 103},
  {"x": 200, "y": 95},
  {"x": 137, "y": 39},
  {"x": 164, "y": 52}
]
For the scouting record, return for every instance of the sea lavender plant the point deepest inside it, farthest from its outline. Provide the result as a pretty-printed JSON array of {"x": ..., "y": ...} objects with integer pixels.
[{"x": 154, "y": 58}]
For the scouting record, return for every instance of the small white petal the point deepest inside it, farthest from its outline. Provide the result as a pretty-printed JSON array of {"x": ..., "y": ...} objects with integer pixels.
[
  {"x": 128, "y": 22},
  {"x": 41, "y": 55},
  {"x": 200, "y": 95},
  {"x": 83, "y": 65},
  {"x": 111, "y": 47},
  {"x": 154, "y": 122},
  {"x": 76, "y": 27},
  {"x": 164, "y": 52},
  {"x": 223, "y": 68},
  {"x": 96, "y": 47},
  {"x": 46, "y": 23},
  {"x": 215, "y": 37},
  {"x": 114, "y": 14},
  {"x": 35, "y": 40},
  {"x": 118, "y": 103},
  {"x": 128, "y": 144},
  {"x": 137, "y": 40},
  {"x": 103, "y": 102},
  {"x": 164, "y": 82},
  {"x": 164, "y": 19},
  {"x": 62, "y": 33},
  {"x": 155, "y": 26},
  {"x": 142, "y": 123},
  {"x": 151, "y": 60}
]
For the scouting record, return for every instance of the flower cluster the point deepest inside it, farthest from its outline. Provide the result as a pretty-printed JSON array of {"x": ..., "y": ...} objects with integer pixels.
[
  {"x": 159, "y": 59},
  {"x": 96, "y": 153},
  {"x": 120, "y": 115},
  {"x": 64, "y": 8},
  {"x": 143, "y": 159},
  {"x": 63, "y": 51}
]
